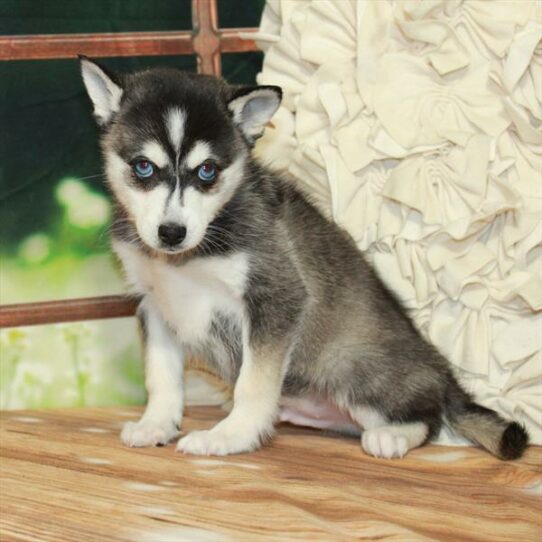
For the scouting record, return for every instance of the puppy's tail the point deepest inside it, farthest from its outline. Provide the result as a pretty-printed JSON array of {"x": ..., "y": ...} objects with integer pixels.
[{"x": 502, "y": 438}]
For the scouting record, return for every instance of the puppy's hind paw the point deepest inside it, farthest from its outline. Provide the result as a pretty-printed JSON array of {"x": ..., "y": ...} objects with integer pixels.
[
  {"x": 394, "y": 440},
  {"x": 381, "y": 443}
]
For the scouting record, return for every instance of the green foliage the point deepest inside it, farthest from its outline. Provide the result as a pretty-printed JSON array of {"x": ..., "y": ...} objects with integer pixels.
[
  {"x": 54, "y": 215},
  {"x": 79, "y": 364}
]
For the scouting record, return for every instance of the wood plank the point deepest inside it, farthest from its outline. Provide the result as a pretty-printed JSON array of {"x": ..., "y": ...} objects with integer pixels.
[
  {"x": 64, "y": 476},
  {"x": 67, "y": 310},
  {"x": 57, "y": 46},
  {"x": 120, "y": 44},
  {"x": 206, "y": 36}
]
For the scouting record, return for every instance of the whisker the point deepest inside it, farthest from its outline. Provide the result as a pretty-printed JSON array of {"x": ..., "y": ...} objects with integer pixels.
[{"x": 92, "y": 177}]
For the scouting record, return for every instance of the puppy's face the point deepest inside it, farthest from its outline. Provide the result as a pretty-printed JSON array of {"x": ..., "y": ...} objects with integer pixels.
[{"x": 175, "y": 147}]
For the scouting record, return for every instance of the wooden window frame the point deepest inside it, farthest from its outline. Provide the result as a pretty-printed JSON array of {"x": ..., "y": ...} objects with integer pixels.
[{"x": 206, "y": 40}]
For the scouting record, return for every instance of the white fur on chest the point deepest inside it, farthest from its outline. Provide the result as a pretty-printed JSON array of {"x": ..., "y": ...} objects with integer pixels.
[{"x": 188, "y": 296}]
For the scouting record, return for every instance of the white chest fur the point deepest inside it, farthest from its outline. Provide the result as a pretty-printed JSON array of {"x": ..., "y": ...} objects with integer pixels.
[{"x": 187, "y": 296}]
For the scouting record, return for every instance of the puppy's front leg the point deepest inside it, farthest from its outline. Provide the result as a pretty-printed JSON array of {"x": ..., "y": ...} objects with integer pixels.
[
  {"x": 164, "y": 382},
  {"x": 255, "y": 405}
]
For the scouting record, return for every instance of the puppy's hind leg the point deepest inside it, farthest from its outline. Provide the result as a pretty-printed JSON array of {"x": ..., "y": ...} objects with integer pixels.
[{"x": 383, "y": 438}]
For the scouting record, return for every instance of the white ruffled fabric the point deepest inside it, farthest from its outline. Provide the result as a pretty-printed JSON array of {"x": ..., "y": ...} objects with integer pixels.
[{"x": 417, "y": 126}]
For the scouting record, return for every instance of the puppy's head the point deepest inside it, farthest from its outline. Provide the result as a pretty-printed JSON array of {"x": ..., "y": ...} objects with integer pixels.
[{"x": 175, "y": 146}]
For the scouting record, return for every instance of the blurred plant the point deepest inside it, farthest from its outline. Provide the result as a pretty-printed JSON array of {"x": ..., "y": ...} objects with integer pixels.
[
  {"x": 84, "y": 221},
  {"x": 13, "y": 343},
  {"x": 79, "y": 230},
  {"x": 74, "y": 335},
  {"x": 35, "y": 248},
  {"x": 70, "y": 364},
  {"x": 31, "y": 384},
  {"x": 83, "y": 208}
]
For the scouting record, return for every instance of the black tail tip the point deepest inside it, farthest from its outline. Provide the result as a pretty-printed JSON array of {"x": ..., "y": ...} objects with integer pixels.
[{"x": 514, "y": 440}]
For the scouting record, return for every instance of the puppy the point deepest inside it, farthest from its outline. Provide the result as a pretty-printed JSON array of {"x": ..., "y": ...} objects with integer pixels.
[{"x": 235, "y": 265}]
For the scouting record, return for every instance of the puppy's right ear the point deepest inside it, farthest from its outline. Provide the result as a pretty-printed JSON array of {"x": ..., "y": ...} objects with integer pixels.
[{"x": 104, "y": 92}]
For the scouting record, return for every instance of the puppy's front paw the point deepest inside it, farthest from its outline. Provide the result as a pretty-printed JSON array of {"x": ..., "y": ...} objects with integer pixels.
[
  {"x": 216, "y": 441},
  {"x": 148, "y": 433}
]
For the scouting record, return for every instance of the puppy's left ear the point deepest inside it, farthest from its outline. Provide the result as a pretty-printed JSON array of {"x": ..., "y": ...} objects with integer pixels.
[{"x": 253, "y": 107}]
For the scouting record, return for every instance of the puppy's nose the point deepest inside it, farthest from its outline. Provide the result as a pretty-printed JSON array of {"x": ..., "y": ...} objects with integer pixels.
[{"x": 171, "y": 234}]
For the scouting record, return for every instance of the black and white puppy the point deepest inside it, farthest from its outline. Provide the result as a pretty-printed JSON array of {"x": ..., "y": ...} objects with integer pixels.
[{"x": 236, "y": 266}]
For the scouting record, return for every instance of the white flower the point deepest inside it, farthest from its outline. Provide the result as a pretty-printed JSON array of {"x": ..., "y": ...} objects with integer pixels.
[
  {"x": 35, "y": 248},
  {"x": 84, "y": 208}
]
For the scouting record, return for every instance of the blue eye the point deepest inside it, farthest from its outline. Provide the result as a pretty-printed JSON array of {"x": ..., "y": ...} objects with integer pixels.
[
  {"x": 207, "y": 172},
  {"x": 143, "y": 169}
]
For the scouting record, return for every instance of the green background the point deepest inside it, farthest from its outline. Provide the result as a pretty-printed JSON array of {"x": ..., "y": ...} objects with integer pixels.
[{"x": 54, "y": 210}]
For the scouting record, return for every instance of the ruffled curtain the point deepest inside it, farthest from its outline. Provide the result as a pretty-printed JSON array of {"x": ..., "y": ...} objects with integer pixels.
[{"x": 416, "y": 125}]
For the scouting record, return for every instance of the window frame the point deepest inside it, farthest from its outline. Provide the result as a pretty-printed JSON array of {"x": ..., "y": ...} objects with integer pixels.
[{"x": 206, "y": 40}]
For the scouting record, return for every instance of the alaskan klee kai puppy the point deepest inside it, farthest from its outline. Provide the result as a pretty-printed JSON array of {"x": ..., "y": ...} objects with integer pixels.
[{"x": 236, "y": 266}]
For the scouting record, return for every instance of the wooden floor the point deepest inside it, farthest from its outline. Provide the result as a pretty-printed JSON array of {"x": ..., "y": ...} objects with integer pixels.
[{"x": 65, "y": 476}]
